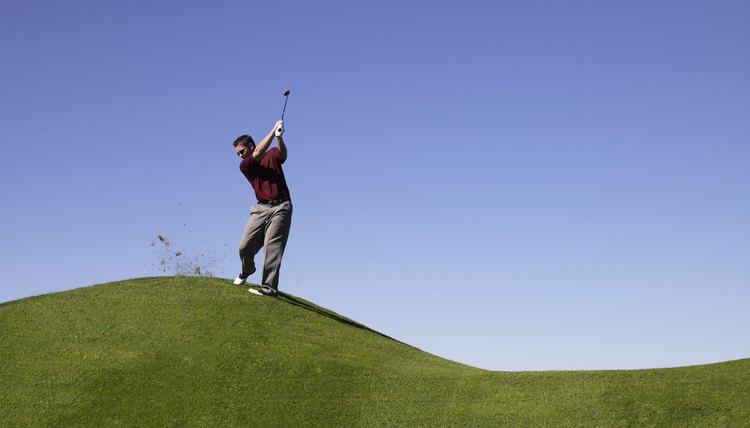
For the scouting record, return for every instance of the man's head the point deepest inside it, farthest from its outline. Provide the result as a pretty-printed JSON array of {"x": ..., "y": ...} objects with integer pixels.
[{"x": 244, "y": 146}]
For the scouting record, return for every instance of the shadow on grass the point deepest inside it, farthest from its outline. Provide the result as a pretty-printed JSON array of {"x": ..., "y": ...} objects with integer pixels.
[{"x": 287, "y": 298}]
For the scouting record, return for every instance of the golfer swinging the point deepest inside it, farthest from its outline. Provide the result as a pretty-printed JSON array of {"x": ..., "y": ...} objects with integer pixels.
[{"x": 271, "y": 217}]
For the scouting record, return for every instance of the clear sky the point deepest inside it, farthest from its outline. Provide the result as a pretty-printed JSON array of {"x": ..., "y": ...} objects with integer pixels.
[{"x": 514, "y": 185}]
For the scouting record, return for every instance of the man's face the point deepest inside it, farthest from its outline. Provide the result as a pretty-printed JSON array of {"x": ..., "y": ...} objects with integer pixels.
[{"x": 244, "y": 152}]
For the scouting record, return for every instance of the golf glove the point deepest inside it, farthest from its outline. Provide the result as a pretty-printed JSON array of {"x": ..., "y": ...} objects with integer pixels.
[{"x": 279, "y": 129}]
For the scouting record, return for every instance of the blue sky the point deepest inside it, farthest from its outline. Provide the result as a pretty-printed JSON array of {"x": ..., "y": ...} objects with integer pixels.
[{"x": 511, "y": 185}]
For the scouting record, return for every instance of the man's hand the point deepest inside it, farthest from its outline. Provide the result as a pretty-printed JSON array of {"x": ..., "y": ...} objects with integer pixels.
[{"x": 279, "y": 128}]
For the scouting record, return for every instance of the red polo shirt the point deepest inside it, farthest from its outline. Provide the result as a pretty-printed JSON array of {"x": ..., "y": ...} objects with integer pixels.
[{"x": 266, "y": 176}]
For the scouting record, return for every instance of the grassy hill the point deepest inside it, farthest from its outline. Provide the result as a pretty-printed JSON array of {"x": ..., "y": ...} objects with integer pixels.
[{"x": 199, "y": 351}]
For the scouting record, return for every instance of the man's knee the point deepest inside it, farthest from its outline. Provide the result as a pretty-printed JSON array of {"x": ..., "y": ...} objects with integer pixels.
[{"x": 244, "y": 248}]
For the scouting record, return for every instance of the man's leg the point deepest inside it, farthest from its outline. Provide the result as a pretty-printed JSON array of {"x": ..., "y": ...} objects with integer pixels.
[
  {"x": 277, "y": 233},
  {"x": 252, "y": 238}
]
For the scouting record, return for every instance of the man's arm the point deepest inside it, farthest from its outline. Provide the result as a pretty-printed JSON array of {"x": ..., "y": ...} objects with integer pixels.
[
  {"x": 282, "y": 149},
  {"x": 261, "y": 148}
]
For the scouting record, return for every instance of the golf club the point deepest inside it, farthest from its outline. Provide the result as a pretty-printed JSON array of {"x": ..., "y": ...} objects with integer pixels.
[{"x": 286, "y": 98}]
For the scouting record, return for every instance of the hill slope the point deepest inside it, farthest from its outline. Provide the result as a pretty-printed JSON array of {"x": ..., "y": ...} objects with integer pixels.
[{"x": 198, "y": 351}]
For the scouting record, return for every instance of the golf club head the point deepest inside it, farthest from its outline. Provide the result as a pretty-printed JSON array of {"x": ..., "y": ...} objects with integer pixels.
[{"x": 286, "y": 93}]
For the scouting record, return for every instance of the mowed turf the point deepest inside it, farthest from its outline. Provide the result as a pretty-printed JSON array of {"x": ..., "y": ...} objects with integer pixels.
[{"x": 191, "y": 351}]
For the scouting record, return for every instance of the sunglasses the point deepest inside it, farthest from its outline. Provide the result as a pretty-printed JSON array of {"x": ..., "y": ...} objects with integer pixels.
[{"x": 241, "y": 152}]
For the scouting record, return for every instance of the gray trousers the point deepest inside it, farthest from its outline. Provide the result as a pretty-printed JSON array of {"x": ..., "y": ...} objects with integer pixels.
[{"x": 268, "y": 227}]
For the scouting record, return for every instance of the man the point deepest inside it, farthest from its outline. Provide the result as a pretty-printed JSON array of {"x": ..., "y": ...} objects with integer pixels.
[{"x": 271, "y": 217}]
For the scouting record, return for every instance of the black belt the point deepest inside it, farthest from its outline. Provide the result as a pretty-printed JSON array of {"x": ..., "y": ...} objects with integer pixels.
[{"x": 274, "y": 203}]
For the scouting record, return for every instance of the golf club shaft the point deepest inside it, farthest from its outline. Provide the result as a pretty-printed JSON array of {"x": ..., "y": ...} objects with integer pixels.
[{"x": 286, "y": 98}]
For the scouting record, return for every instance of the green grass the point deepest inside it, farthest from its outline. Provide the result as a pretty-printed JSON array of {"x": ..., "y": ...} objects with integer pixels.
[{"x": 201, "y": 352}]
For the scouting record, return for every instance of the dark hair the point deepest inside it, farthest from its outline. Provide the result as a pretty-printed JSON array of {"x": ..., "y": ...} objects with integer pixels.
[{"x": 244, "y": 141}]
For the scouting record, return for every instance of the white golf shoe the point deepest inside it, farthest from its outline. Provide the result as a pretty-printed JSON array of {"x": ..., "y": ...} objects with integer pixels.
[{"x": 264, "y": 290}]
